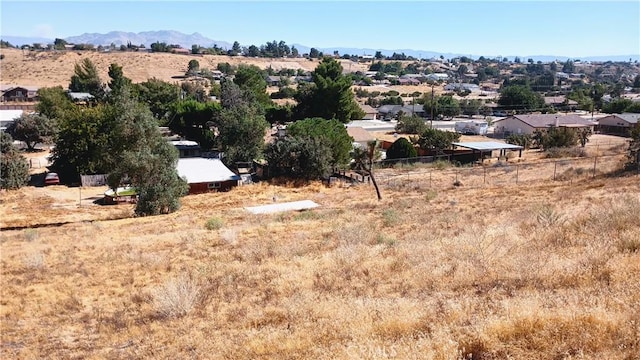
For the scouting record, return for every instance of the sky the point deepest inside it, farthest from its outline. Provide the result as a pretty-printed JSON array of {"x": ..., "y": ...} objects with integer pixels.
[{"x": 490, "y": 28}]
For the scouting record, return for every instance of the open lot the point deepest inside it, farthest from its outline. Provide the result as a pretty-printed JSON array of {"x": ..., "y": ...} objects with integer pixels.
[{"x": 537, "y": 270}]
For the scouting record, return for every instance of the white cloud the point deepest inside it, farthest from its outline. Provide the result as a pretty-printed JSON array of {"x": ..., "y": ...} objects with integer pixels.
[{"x": 43, "y": 30}]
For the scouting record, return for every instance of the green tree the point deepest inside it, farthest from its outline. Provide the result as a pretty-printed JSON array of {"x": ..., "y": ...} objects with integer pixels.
[
  {"x": 195, "y": 121},
  {"x": 54, "y": 102},
  {"x": 241, "y": 125},
  {"x": 252, "y": 78},
  {"x": 314, "y": 53},
  {"x": 520, "y": 98},
  {"x": 32, "y": 129},
  {"x": 299, "y": 157},
  {"x": 618, "y": 106},
  {"x": 235, "y": 49},
  {"x": 556, "y": 137},
  {"x": 79, "y": 142},
  {"x": 330, "y": 132},
  {"x": 410, "y": 125},
  {"x": 59, "y": 44},
  {"x": 160, "y": 96},
  {"x": 118, "y": 80},
  {"x": 86, "y": 79},
  {"x": 448, "y": 106},
  {"x": 137, "y": 150},
  {"x": 470, "y": 107},
  {"x": 523, "y": 140},
  {"x": 193, "y": 67},
  {"x": 437, "y": 140},
  {"x": 401, "y": 149},
  {"x": 14, "y": 169},
  {"x": 330, "y": 97}
]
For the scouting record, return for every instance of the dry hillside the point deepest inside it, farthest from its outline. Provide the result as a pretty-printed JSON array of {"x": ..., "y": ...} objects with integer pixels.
[
  {"x": 537, "y": 270},
  {"x": 55, "y": 68}
]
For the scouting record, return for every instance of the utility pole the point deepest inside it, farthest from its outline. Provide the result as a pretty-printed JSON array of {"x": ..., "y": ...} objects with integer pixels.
[{"x": 432, "y": 105}]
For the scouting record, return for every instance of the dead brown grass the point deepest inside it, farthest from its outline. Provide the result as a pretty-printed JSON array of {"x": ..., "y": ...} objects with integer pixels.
[
  {"x": 56, "y": 68},
  {"x": 534, "y": 271}
]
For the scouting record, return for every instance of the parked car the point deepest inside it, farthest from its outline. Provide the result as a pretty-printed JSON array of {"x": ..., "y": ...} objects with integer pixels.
[{"x": 51, "y": 179}]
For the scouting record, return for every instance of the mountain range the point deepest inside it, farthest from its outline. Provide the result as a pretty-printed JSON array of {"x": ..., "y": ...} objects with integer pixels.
[{"x": 187, "y": 40}]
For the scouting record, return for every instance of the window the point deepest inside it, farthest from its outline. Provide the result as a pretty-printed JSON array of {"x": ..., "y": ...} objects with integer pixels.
[{"x": 215, "y": 185}]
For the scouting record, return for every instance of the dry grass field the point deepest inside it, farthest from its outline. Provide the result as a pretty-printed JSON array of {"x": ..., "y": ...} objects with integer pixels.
[
  {"x": 56, "y": 68},
  {"x": 539, "y": 270}
]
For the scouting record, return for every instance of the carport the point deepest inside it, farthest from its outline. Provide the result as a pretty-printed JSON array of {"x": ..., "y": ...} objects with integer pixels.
[{"x": 488, "y": 147}]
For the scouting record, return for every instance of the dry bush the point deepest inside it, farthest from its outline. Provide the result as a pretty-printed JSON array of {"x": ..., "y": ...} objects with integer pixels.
[
  {"x": 177, "y": 297},
  {"x": 34, "y": 261}
]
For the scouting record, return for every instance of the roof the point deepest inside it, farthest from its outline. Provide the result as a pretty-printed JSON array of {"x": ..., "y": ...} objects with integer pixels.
[
  {"x": 359, "y": 134},
  {"x": 184, "y": 143},
  {"x": 368, "y": 109},
  {"x": 204, "y": 170},
  {"x": 487, "y": 145},
  {"x": 631, "y": 118},
  {"x": 10, "y": 115},
  {"x": 80, "y": 95},
  {"x": 547, "y": 120},
  {"x": 551, "y": 100}
]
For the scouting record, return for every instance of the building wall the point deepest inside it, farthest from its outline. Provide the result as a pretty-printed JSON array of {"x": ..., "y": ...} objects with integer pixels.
[
  {"x": 512, "y": 125},
  {"x": 199, "y": 188},
  {"x": 612, "y": 121}
]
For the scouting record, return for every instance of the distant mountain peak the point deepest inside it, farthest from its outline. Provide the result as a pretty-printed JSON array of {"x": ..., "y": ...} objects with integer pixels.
[{"x": 147, "y": 38}]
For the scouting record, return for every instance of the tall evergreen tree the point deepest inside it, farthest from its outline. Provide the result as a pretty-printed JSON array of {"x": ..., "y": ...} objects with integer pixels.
[
  {"x": 330, "y": 97},
  {"x": 14, "y": 170}
]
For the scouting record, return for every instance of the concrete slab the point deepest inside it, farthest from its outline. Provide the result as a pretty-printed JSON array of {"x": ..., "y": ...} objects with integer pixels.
[{"x": 281, "y": 207}]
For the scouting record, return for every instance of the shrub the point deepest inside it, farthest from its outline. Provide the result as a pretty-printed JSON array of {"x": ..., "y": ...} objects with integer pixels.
[
  {"x": 401, "y": 149},
  {"x": 555, "y": 153},
  {"x": 523, "y": 140},
  {"x": 14, "y": 169},
  {"x": 214, "y": 224},
  {"x": 177, "y": 297},
  {"x": 411, "y": 125}
]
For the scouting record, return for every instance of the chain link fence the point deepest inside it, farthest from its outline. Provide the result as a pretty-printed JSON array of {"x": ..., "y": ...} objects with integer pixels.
[{"x": 442, "y": 175}]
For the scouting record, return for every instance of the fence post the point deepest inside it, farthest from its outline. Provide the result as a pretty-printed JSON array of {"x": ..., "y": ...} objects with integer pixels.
[
  {"x": 430, "y": 171},
  {"x": 595, "y": 160},
  {"x": 517, "y": 169},
  {"x": 484, "y": 179},
  {"x": 555, "y": 167}
]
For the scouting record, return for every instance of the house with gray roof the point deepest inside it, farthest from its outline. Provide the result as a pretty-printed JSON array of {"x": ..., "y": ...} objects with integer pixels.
[
  {"x": 528, "y": 124},
  {"x": 392, "y": 111},
  {"x": 618, "y": 124}
]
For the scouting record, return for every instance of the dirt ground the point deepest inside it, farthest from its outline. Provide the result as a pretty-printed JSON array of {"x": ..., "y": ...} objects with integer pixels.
[{"x": 44, "y": 69}]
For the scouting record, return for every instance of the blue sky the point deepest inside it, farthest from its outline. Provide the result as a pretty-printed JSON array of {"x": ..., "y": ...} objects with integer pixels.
[{"x": 490, "y": 28}]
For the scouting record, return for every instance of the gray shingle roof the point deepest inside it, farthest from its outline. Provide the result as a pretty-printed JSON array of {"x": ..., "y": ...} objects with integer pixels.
[{"x": 547, "y": 120}]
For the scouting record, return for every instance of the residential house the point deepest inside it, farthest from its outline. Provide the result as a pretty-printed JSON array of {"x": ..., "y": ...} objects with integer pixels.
[
  {"x": 80, "y": 97},
  {"x": 370, "y": 113},
  {"x": 273, "y": 80},
  {"x": 618, "y": 124},
  {"x": 528, "y": 124},
  {"x": 20, "y": 93},
  {"x": 206, "y": 174},
  {"x": 561, "y": 103},
  {"x": 361, "y": 137},
  {"x": 7, "y": 117},
  {"x": 181, "y": 51},
  {"x": 404, "y": 81},
  {"x": 437, "y": 77},
  {"x": 388, "y": 112},
  {"x": 461, "y": 87},
  {"x": 186, "y": 148}
]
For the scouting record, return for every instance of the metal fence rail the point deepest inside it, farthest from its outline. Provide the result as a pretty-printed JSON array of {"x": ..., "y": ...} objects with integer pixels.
[{"x": 501, "y": 173}]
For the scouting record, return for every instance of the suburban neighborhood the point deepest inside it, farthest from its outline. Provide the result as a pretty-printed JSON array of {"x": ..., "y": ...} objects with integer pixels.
[{"x": 405, "y": 193}]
